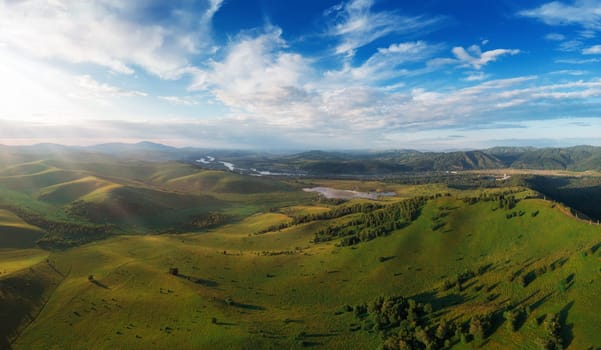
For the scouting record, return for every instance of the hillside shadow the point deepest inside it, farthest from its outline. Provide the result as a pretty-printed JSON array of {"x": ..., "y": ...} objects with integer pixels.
[
  {"x": 496, "y": 321},
  {"x": 558, "y": 263},
  {"x": 440, "y": 302},
  {"x": 21, "y": 298},
  {"x": 201, "y": 281},
  {"x": 319, "y": 335},
  {"x": 525, "y": 300},
  {"x": 540, "y": 301},
  {"x": 595, "y": 247},
  {"x": 578, "y": 193},
  {"x": 386, "y": 258},
  {"x": 249, "y": 306},
  {"x": 100, "y": 284},
  {"x": 567, "y": 330},
  {"x": 310, "y": 344}
]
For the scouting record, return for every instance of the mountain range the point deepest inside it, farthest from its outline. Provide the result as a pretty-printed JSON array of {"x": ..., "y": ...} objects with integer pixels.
[{"x": 315, "y": 162}]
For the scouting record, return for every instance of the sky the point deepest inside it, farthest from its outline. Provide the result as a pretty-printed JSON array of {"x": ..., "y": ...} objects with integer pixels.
[{"x": 301, "y": 74}]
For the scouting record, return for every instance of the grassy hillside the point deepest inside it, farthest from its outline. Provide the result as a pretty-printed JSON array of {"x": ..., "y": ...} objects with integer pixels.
[
  {"x": 221, "y": 182},
  {"x": 262, "y": 264},
  {"x": 141, "y": 207},
  {"x": 16, "y": 233},
  {"x": 70, "y": 191},
  {"x": 277, "y": 290},
  {"x": 582, "y": 193},
  {"x": 23, "y": 295},
  {"x": 78, "y": 199}
]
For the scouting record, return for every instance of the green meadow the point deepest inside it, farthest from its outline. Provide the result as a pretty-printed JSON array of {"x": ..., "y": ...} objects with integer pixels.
[{"x": 251, "y": 275}]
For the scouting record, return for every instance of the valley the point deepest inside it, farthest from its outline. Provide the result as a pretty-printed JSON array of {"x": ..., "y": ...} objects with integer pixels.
[{"x": 107, "y": 253}]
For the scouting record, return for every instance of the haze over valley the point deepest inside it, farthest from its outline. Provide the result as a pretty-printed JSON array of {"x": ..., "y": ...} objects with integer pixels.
[{"x": 320, "y": 174}]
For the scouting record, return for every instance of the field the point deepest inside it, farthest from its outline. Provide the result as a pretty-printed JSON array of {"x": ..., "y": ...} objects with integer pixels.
[{"x": 261, "y": 278}]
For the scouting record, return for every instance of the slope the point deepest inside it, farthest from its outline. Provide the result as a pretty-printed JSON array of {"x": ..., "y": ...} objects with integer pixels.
[
  {"x": 276, "y": 290},
  {"x": 15, "y": 233}
]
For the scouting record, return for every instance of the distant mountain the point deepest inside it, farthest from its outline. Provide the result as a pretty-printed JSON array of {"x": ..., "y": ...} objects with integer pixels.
[
  {"x": 469, "y": 160},
  {"x": 116, "y": 148},
  {"x": 324, "y": 163}
]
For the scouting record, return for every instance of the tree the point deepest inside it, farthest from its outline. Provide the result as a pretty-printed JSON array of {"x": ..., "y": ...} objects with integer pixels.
[
  {"x": 443, "y": 330},
  {"x": 511, "y": 317},
  {"x": 479, "y": 326},
  {"x": 553, "y": 330}
]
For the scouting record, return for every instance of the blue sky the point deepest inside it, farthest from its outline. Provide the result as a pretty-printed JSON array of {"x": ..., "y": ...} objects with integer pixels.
[{"x": 272, "y": 74}]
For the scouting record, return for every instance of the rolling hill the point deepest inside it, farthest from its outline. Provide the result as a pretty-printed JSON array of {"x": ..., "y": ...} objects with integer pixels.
[
  {"x": 279, "y": 290},
  {"x": 16, "y": 233},
  {"x": 147, "y": 254}
]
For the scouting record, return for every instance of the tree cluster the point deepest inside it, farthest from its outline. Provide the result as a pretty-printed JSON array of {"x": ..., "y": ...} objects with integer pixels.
[
  {"x": 506, "y": 199},
  {"x": 61, "y": 234},
  {"x": 207, "y": 220},
  {"x": 333, "y": 213},
  {"x": 553, "y": 339},
  {"x": 377, "y": 223},
  {"x": 405, "y": 323}
]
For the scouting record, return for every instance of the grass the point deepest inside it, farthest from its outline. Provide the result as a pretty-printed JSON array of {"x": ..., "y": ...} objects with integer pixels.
[
  {"x": 276, "y": 290},
  {"x": 15, "y": 233},
  {"x": 18, "y": 259},
  {"x": 284, "y": 299},
  {"x": 70, "y": 191},
  {"x": 24, "y": 294}
]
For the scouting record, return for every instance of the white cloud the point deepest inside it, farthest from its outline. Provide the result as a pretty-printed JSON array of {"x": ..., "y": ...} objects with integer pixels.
[
  {"x": 385, "y": 64},
  {"x": 593, "y": 50},
  {"x": 105, "y": 33},
  {"x": 569, "y": 72},
  {"x": 265, "y": 84},
  {"x": 474, "y": 57},
  {"x": 555, "y": 37},
  {"x": 94, "y": 89},
  {"x": 180, "y": 100},
  {"x": 578, "y": 60},
  {"x": 570, "y": 45},
  {"x": 257, "y": 74},
  {"x": 476, "y": 76},
  {"x": 357, "y": 25},
  {"x": 32, "y": 89},
  {"x": 586, "y": 13}
]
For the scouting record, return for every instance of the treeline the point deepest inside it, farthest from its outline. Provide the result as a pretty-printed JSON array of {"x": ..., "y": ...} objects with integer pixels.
[
  {"x": 333, "y": 213},
  {"x": 61, "y": 234},
  {"x": 374, "y": 224},
  {"x": 506, "y": 199},
  {"x": 405, "y": 324},
  {"x": 461, "y": 181},
  {"x": 204, "y": 221}
]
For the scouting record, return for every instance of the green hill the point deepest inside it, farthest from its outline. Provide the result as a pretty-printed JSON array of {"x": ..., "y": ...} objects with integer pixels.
[
  {"x": 238, "y": 290},
  {"x": 67, "y": 192},
  {"x": 23, "y": 295},
  {"x": 262, "y": 264},
  {"x": 15, "y": 233},
  {"x": 223, "y": 182},
  {"x": 141, "y": 206}
]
